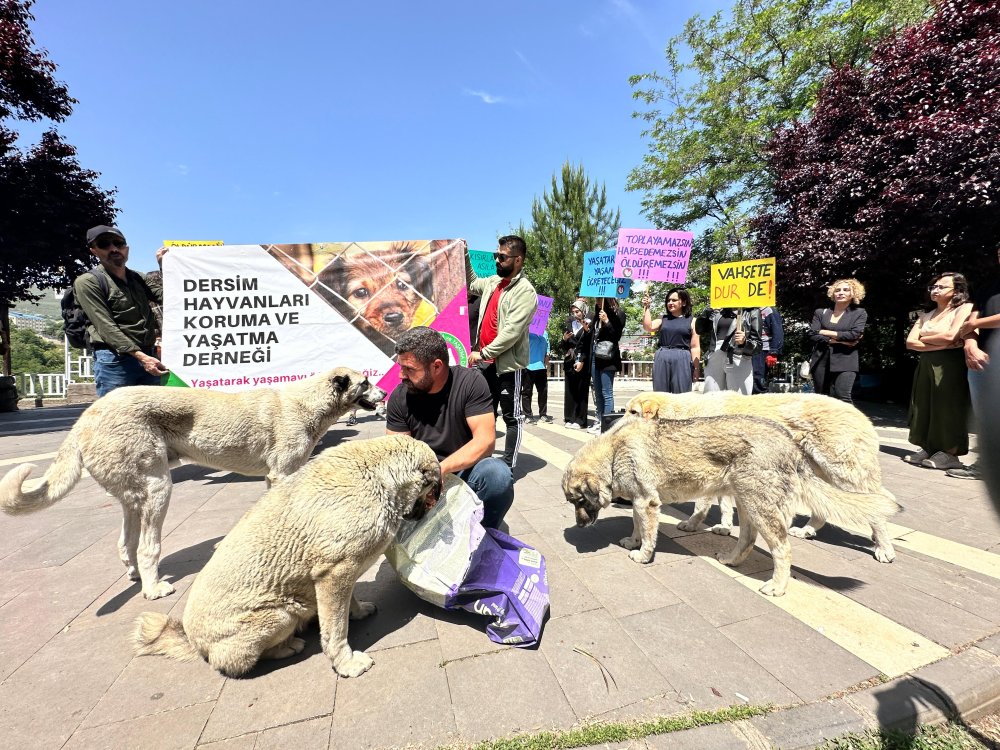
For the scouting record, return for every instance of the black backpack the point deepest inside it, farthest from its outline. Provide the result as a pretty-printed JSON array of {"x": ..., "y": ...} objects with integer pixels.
[{"x": 75, "y": 320}]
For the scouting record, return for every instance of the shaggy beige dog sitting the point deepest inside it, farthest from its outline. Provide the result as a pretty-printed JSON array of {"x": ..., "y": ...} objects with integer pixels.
[{"x": 297, "y": 554}]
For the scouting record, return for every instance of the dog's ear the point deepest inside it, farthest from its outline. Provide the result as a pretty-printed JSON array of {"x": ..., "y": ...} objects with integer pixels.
[
  {"x": 650, "y": 410},
  {"x": 335, "y": 276},
  {"x": 341, "y": 383},
  {"x": 423, "y": 279}
]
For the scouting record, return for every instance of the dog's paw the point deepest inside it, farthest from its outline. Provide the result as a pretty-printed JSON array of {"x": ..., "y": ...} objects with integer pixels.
[
  {"x": 802, "y": 532},
  {"x": 285, "y": 650},
  {"x": 637, "y": 555},
  {"x": 356, "y": 665},
  {"x": 885, "y": 555},
  {"x": 726, "y": 559},
  {"x": 159, "y": 590},
  {"x": 769, "y": 589},
  {"x": 687, "y": 526},
  {"x": 629, "y": 542},
  {"x": 722, "y": 530},
  {"x": 361, "y": 610}
]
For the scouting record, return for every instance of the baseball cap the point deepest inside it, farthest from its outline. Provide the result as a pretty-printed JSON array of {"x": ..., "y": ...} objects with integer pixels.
[{"x": 94, "y": 232}]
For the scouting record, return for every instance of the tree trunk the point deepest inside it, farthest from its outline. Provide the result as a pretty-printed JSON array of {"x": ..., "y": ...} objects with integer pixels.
[
  {"x": 5, "y": 337},
  {"x": 8, "y": 386}
]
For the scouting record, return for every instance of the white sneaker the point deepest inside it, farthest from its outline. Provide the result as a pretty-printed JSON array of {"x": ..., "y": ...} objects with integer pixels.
[
  {"x": 572, "y": 426},
  {"x": 594, "y": 429}
]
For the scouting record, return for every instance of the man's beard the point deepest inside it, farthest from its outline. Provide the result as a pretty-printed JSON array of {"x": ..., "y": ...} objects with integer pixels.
[
  {"x": 116, "y": 259},
  {"x": 504, "y": 274},
  {"x": 419, "y": 386}
]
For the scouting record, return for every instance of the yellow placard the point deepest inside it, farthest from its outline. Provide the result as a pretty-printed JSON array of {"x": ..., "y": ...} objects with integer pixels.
[
  {"x": 191, "y": 243},
  {"x": 745, "y": 283}
]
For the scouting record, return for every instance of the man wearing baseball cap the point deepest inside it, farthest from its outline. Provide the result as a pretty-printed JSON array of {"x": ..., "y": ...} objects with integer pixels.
[{"x": 122, "y": 328}]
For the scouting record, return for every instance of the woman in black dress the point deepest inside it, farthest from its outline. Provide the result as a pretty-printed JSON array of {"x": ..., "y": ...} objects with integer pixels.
[
  {"x": 676, "y": 361},
  {"x": 575, "y": 345}
]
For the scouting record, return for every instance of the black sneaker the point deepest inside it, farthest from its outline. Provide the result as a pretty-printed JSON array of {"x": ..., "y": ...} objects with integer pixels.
[
  {"x": 965, "y": 472},
  {"x": 547, "y": 419}
]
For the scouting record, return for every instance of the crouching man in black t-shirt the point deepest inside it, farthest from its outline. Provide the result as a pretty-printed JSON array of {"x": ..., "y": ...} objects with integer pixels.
[{"x": 450, "y": 409}]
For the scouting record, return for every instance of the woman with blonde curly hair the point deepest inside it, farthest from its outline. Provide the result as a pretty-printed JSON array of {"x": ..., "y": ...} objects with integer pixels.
[{"x": 835, "y": 333}]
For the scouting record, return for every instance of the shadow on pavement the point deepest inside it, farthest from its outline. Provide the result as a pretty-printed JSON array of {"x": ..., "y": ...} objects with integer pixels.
[
  {"x": 903, "y": 707},
  {"x": 174, "y": 567},
  {"x": 605, "y": 533}
]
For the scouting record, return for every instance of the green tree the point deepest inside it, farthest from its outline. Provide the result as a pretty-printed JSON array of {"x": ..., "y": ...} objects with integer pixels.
[
  {"x": 33, "y": 354},
  {"x": 730, "y": 81},
  {"x": 570, "y": 219},
  {"x": 47, "y": 200}
]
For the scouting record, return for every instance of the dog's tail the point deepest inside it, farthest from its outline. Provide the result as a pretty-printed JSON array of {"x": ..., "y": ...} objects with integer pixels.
[
  {"x": 56, "y": 483},
  {"x": 845, "y": 508},
  {"x": 155, "y": 633}
]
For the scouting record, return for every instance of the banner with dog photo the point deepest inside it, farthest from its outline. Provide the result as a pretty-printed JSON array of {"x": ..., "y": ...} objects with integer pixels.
[{"x": 238, "y": 317}]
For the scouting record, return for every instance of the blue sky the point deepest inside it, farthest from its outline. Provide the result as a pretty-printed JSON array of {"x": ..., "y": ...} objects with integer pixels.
[{"x": 306, "y": 121}]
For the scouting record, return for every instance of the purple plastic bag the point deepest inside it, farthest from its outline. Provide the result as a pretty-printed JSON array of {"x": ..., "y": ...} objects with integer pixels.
[{"x": 507, "y": 582}]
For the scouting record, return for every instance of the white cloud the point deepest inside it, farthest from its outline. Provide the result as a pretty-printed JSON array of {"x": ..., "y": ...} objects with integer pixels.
[{"x": 486, "y": 97}]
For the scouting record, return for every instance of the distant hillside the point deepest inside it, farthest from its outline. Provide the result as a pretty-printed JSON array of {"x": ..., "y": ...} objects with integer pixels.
[{"x": 47, "y": 306}]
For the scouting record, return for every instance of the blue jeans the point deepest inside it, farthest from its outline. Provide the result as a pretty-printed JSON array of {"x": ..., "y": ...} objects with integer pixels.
[
  {"x": 603, "y": 383},
  {"x": 114, "y": 371},
  {"x": 492, "y": 481}
]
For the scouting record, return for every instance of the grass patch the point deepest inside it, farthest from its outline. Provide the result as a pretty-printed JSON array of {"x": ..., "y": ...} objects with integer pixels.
[
  {"x": 945, "y": 737},
  {"x": 596, "y": 734}
]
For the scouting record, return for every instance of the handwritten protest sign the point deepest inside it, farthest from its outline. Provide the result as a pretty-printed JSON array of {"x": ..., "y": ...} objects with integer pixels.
[
  {"x": 191, "y": 243},
  {"x": 599, "y": 276},
  {"x": 483, "y": 263},
  {"x": 238, "y": 317},
  {"x": 541, "y": 318},
  {"x": 653, "y": 255},
  {"x": 747, "y": 283}
]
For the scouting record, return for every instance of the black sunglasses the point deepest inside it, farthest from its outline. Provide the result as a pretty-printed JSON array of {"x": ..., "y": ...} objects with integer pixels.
[
  {"x": 503, "y": 257},
  {"x": 106, "y": 243}
]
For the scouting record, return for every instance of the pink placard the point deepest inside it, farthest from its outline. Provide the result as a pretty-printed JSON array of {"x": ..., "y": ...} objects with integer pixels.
[
  {"x": 653, "y": 255},
  {"x": 541, "y": 318}
]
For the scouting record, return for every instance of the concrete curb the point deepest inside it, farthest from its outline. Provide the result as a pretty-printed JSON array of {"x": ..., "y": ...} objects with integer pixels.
[{"x": 965, "y": 685}]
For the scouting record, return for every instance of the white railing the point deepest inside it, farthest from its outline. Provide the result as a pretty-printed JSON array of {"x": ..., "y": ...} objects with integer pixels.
[
  {"x": 81, "y": 368},
  {"x": 631, "y": 370},
  {"x": 53, "y": 384},
  {"x": 42, "y": 385}
]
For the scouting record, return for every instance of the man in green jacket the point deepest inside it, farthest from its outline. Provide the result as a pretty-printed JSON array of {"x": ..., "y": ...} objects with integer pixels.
[
  {"x": 507, "y": 307},
  {"x": 122, "y": 328}
]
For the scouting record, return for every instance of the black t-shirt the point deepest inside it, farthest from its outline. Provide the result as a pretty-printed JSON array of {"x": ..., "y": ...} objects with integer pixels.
[
  {"x": 439, "y": 419},
  {"x": 986, "y": 302}
]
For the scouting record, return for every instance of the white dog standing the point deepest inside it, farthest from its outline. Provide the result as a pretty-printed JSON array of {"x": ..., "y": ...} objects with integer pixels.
[{"x": 128, "y": 439}]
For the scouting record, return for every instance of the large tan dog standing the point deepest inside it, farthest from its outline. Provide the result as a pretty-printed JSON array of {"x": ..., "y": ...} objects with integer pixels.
[
  {"x": 839, "y": 440},
  {"x": 128, "y": 439},
  {"x": 756, "y": 461},
  {"x": 298, "y": 553}
]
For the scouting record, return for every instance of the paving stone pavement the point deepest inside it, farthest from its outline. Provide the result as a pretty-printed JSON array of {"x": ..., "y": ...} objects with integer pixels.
[{"x": 854, "y": 643}]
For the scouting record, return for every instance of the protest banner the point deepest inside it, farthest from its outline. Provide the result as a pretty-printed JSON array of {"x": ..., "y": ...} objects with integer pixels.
[
  {"x": 653, "y": 255},
  {"x": 599, "y": 276},
  {"x": 243, "y": 316},
  {"x": 483, "y": 263},
  {"x": 746, "y": 283},
  {"x": 541, "y": 319},
  {"x": 192, "y": 243}
]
